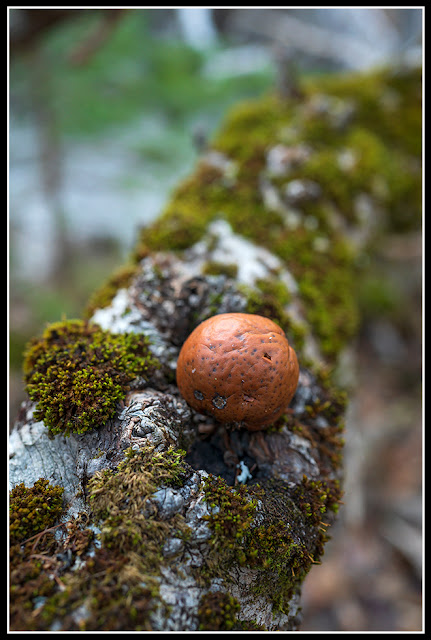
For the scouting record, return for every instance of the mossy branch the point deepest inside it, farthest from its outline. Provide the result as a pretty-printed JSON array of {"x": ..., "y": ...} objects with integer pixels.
[{"x": 171, "y": 520}]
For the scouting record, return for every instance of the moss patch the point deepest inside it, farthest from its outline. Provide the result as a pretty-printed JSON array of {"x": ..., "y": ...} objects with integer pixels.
[
  {"x": 34, "y": 509},
  {"x": 215, "y": 268},
  {"x": 116, "y": 587},
  {"x": 33, "y": 513},
  {"x": 119, "y": 584},
  {"x": 119, "y": 499},
  {"x": 275, "y": 547},
  {"x": 351, "y": 125},
  {"x": 217, "y": 611},
  {"x": 77, "y": 373}
]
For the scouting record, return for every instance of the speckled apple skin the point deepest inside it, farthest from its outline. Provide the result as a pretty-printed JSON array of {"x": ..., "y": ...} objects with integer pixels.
[{"x": 238, "y": 367}]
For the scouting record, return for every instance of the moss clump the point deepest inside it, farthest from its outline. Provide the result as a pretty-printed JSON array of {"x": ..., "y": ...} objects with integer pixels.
[
  {"x": 250, "y": 127},
  {"x": 34, "y": 509},
  {"x": 375, "y": 96},
  {"x": 278, "y": 548},
  {"x": 283, "y": 562},
  {"x": 326, "y": 285},
  {"x": 77, "y": 373},
  {"x": 215, "y": 268},
  {"x": 217, "y": 612},
  {"x": 32, "y": 569},
  {"x": 233, "y": 511},
  {"x": 316, "y": 497},
  {"x": 107, "y": 594},
  {"x": 38, "y": 557},
  {"x": 119, "y": 500},
  {"x": 275, "y": 546},
  {"x": 269, "y": 298}
]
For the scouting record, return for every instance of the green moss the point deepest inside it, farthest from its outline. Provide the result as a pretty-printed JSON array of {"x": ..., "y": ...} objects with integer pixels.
[
  {"x": 107, "y": 593},
  {"x": 77, "y": 373},
  {"x": 185, "y": 218},
  {"x": 116, "y": 589},
  {"x": 361, "y": 114},
  {"x": 251, "y": 127},
  {"x": 217, "y": 612},
  {"x": 36, "y": 562},
  {"x": 235, "y": 540},
  {"x": 316, "y": 497},
  {"x": 384, "y": 133},
  {"x": 275, "y": 546},
  {"x": 390, "y": 177},
  {"x": 118, "y": 499},
  {"x": 197, "y": 202},
  {"x": 215, "y": 268},
  {"x": 232, "y": 513},
  {"x": 331, "y": 306},
  {"x": 387, "y": 101},
  {"x": 34, "y": 509},
  {"x": 132, "y": 538},
  {"x": 276, "y": 289},
  {"x": 31, "y": 578}
]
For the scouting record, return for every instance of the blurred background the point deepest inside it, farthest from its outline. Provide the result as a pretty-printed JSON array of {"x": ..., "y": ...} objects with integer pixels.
[{"x": 108, "y": 110}]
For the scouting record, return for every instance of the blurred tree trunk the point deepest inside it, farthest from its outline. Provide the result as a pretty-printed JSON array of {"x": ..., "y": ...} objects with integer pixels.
[{"x": 51, "y": 158}]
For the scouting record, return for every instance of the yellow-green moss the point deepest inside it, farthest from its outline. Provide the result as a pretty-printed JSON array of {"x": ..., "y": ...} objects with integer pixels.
[
  {"x": 217, "y": 612},
  {"x": 107, "y": 594},
  {"x": 77, "y": 373},
  {"x": 116, "y": 589},
  {"x": 120, "y": 582},
  {"x": 233, "y": 513},
  {"x": 36, "y": 562},
  {"x": 215, "y": 268},
  {"x": 274, "y": 547},
  {"x": 118, "y": 499},
  {"x": 33, "y": 509},
  {"x": 387, "y": 101},
  {"x": 374, "y": 117}
]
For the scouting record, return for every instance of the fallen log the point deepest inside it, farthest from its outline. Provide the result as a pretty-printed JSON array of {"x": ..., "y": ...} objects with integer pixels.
[{"x": 130, "y": 510}]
